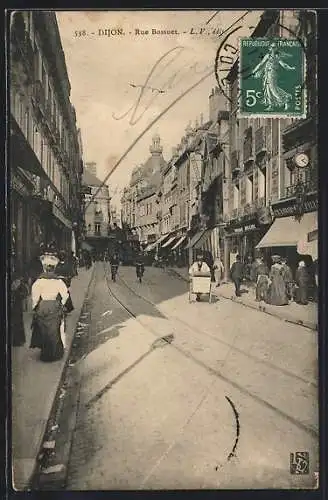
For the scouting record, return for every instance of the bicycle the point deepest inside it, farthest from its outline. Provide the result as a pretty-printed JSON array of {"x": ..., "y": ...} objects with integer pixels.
[{"x": 114, "y": 272}]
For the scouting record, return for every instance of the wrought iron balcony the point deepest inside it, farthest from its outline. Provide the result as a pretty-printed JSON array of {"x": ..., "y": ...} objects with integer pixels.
[
  {"x": 308, "y": 187},
  {"x": 260, "y": 141}
]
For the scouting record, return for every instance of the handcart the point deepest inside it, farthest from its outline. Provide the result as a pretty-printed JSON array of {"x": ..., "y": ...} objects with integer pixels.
[{"x": 200, "y": 283}]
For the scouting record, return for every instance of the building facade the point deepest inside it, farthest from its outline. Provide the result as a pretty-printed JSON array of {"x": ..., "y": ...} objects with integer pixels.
[
  {"x": 140, "y": 202},
  {"x": 44, "y": 151},
  {"x": 97, "y": 210},
  {"x": 262, "y": 174}
]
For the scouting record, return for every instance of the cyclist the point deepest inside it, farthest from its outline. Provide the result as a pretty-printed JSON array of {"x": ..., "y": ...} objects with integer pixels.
[
  {"x": 140, "y": 266},
  {"x": 114, "y": 263}
]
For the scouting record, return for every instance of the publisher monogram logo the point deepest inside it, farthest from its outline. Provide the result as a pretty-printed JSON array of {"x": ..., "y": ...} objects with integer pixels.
[{"x": 299, "y": 462}]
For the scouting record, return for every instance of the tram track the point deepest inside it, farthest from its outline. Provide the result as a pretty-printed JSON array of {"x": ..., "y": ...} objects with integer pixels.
[
  {"x": 215, "y": 372},
  {"x": 223, "y": 342}
]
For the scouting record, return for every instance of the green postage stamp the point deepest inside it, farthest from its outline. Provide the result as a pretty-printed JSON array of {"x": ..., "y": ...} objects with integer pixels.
[{"x": 272, "y": 78}]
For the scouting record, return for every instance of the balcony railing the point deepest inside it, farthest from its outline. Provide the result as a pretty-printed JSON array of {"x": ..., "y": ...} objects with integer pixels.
[
  {"x": 260, "y": 141},
  {"x": 307, "y": 187}
]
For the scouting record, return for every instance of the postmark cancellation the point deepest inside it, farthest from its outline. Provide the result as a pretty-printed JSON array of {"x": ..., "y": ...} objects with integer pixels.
[{"x": 272, "y": 73}]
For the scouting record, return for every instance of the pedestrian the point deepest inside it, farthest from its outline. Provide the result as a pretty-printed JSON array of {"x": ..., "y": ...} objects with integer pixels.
[
  {"x": 248, "y": 270},
  {"x": 218, "y": 270},
  {"x": 288, "y": 278},
  {"x": 87, "y": 259},
  {"x": 208, "y": 258},
  {"x": 49, "y": 296},
  {"x": 64, "y": 270},
  {"x": 277, "y": 294},
  {"x": 237, "y": 274},
  {"x": 114, "y": 265},
  {"x": 261, "y": 279},
  {"x": 140, "y": 265},
  {"x": 73, "y": 263},
  {"x": 302, "y": 283},
  {"x": 19, "y": 292},
  {"x": 199, "y": 266}
]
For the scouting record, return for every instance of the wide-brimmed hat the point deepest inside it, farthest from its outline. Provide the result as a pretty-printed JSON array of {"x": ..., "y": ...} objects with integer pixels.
[{"x": 276, "y": 258}]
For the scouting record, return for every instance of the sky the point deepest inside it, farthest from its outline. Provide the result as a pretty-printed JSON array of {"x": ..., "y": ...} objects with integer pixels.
[{"x": 120, "y": 83}]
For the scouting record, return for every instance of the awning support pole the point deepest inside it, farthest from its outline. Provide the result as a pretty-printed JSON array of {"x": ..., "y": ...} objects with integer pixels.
[{"x": 190, "y": 253}]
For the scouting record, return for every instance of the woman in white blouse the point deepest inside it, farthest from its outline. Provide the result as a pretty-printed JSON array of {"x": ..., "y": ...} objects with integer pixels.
[{"x": 49, "y": 295}]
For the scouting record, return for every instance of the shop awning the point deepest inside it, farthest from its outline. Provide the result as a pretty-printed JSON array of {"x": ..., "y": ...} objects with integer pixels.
[
  {"x": 179, "y": 242},
  {"x": 168, "y": 242},
  {"x": 194, "y": 240},
  {"x": 203, "y": 239},
  {"x": 287, "y": 232},
  {"x": 158, "y": 242}
]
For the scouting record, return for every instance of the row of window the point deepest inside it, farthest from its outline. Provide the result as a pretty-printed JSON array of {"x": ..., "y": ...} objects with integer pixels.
[
  {"x": 42, "y": 74},
  {"x": 291, "y": 176},
  {"x": 38, "y": 142},
  {"x": 146, "y": 209}
]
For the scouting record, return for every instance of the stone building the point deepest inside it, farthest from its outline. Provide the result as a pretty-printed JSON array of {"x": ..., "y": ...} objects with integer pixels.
[
  {"x": 97, "y": 210},
  {"x": 44, "y": 153},
  {"x": 139, "y": 202},
  {"x": 262, "y": 174}
]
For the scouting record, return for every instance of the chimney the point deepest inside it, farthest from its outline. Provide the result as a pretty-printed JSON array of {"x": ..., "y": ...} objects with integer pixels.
[
  {"x": 217, "y": 102},
  {"x": 201, "y": 119}
]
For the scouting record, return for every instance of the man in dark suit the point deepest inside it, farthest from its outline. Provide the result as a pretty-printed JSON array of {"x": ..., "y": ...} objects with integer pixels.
[{"x": 237, "y": 273}]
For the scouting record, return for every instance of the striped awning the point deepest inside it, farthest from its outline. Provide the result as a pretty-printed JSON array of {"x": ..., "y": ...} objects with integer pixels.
[
  {"x": 196, "y": 238},
  {"x": 169, "y": 241},
  {"x": 179, "y": 242},
  {"x": 158, "y": 242}
]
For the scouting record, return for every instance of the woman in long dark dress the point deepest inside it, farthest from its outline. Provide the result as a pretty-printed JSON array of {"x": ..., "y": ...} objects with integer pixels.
[
  {"x": 49, "y": 295},
  {"x": 19, "y": 292},
  {"x": 277, "y": 293}
]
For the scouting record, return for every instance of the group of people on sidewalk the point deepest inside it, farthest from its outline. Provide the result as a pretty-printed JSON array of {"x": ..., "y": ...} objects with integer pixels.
[
  {"x": 275, "y": 286},
  {"x": 48, "y": 280}
]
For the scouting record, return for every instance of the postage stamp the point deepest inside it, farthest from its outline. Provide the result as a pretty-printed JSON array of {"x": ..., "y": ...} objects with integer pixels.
[{"x": 272, "y": 78}]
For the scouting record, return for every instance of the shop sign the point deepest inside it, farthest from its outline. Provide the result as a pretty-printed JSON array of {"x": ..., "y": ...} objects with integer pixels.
[
  {"x": 290, "y": 210},
  {"x": 250, "y": 227},
  {"x": 57, "y": 213}
]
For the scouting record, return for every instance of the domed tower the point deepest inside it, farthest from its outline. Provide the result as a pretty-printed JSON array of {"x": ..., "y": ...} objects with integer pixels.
[{"x": 156, "y": 148}]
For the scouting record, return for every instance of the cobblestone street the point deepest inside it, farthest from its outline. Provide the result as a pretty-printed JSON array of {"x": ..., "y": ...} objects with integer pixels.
[{"x": 221, "y": 402}]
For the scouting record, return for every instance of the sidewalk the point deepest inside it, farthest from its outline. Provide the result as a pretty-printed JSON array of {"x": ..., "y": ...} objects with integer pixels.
[
  {"x": 294, "y": 313},
  {"x": 34, "y": 387}
]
